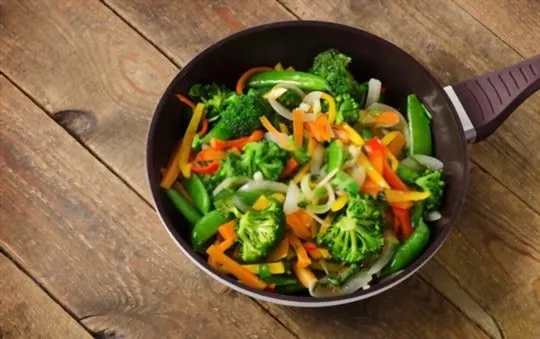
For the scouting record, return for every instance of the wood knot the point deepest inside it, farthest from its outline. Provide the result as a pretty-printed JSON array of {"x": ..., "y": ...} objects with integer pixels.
[{"x": 80, "y": 124}]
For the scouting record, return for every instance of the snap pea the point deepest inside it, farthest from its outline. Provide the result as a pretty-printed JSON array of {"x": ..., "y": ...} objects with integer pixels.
[
  {"x": 184, "y": 206},
  {"x": 413, "y": 246},
  {"x": 300, "y": 79},
  {"x": 419, "y": 127},
  {"x": 279, "y": 280},
  {"x": 207, "y": 227},
  {"x": 336, "y": 155},
  {"x": 198, "y": 193}
]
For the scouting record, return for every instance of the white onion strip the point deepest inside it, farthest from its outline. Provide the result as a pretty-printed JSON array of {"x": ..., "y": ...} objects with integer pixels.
[
  {"x": 321, "y": 209},
  {"x": 374, "y": 91},
  {"x": 228, "y": 182},
  {"x": 429, "y": 162},
  {"x": 327, "y": 179},
  {"x": 264, "y": 185},
  {"x": 304, "y": 186},
  {"x": 293, "y": 197},
  {"x": 280, "y": 109}
]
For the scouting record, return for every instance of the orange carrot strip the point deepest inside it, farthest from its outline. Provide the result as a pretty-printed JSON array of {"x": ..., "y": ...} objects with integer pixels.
[
  {"x": 173, "y": 170},
  {"x": 284, "y": 142},
  {"x": 298, "y": 127},
  {"x": 248, "y": 74},
  {"x": 226, "y": 244},
  {"x": 283, "y": 128},
  {"x": 294, "y": 220},
  {"x": 370, "y": 187},
  {"x": 387, "y": 119},
  {"x": 280, "y": 252},
  {"x": 227, "y": 230},
  {"x": 304, "y": 274},
  {"x": 245, "y": 276},
  {"x": 303, "y": 259},
  {"x": 210, "y": 154},
  {"x": 186, "y": 101}
]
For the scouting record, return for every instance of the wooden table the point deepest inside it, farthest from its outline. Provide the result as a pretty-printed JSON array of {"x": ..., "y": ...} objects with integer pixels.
[{"x": 83, "y": 253}]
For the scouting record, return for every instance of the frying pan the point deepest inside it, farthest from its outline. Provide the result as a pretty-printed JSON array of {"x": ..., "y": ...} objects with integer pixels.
[{"x": 466, "y": 112}]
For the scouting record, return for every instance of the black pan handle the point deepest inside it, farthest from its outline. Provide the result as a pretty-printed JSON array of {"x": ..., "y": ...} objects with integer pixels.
[{"x": 483, "y": 103}]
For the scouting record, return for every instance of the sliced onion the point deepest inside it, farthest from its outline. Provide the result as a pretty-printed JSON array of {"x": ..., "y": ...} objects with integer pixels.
[
  {"x": 317, "y": 159},
  {"x": 264, "y": 185},
  {"x": 430, "y": 162},
  {"x": 304, "y": 186},
  {"x": 280, "y": 109},
  {"x": 402, "y": 126},
  {"x": 354, "y": 151},
  {"x": 292, "y": 198},
  {"x": 271, "y": 137},
  {"x": 411, "y": 163},
  {"x": 258, "y": 176},
  {"x": 304, "y": 107},
  {"x": 229, "y": 182},
  {"x": 327, "y": 179},
  {"x": 275, "y": 92},
  {"x": 321, "y": 209},
  {"x": 314, "y": 100},
  {"x": 317, "y": 219},
  {"x": 358, "y": 173},
  {"x": 293, "y": 87},
  {"x": 433, "y": 216},
  {"x": 374, "y": 91}
]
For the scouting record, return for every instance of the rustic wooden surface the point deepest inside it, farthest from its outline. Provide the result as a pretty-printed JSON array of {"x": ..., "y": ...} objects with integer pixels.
[{"x": 79, "y": 221}]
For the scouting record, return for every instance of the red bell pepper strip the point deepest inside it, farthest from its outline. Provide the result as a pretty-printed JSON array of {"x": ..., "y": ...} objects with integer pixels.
[
  {"x": 207, "y": 169},
  {"x": 185, "y": 101},
  {"x": 375, "y": 151},
  {"x": 404, "y": 219},
  {"x": 237, "y": 143},
  {"x": 392, "y": 178},
  {"x": 204, "y": 127}
]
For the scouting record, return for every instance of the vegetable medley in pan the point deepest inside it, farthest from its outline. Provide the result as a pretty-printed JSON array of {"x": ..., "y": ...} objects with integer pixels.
[{"x": 305, "y": 182}]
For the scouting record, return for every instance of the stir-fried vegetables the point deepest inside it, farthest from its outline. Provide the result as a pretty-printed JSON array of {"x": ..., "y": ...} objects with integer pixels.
[{"x": 295, "y": 182}]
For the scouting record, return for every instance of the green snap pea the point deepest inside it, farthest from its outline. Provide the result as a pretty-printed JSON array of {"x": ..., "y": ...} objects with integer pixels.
[
  {"x": 336, "y": 155},
  {"x": 419, "y": 127},
  {"x": 279, "y": 280},
  {"x": 184, "y": 206},
  {"x": 300, "y": 79},
  {"x": 207, "y": 227},
  {"x": 413, "y": 246},
  {"x": 197, "y": 192}
]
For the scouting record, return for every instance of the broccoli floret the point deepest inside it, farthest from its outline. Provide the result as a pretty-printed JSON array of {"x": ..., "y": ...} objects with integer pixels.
[
  {"x": 228, "y": 168},
  {"x": 347, "y": 109},
  {"x": 242, "y": 113},
  {"x": 359, "y": 93},
  {"x": 259, "y": 232},
  {"x": 224, "y": 203},
  {"x": 432, "y": 182},
  {"x": 333, "y": 66},
  {"x": 357, "y": 233},
  {"x": 301, "y": 155},
  {"x": 264, "y": 156},
  {"x": 213, "y": 96}
]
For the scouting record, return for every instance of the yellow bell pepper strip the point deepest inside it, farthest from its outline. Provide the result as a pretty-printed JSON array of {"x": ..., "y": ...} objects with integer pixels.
[
  {"x": 339, "y": 203},
  {"x": 186, "y": 101},
  {"x": 371, "y": 171},
  {"x": 289, "y": 168},
  {"x": 185, "y": 147},
  {"x": 283, "y": 128},
  {"x": 261, "y": 204},
  {"x": 242, "y": 274},
  {"x": 282, "y": 139},
  {"x": 394, "y": 163},
  {"x": 393, "y": 196},
  {"x": 312, "y": 144},
  {"x": 353, "y": 135},
  {"x": 298, "y": 127},
  {"x": 303, "y": 171},
  {"x": 227, "y": 230},
  {"x": 331, "y": 107},
  {"x": 241, "y": 83},
  {"x": 279, "y": 197},
  {"x": 395, "y": 142},
  {"x": 304, "y": 274},
  {"x": 280, "y": 252},
  {"x": 296, "y": 224},
  {"x": 316, "y": 252},
  {"x": 171, "y": 173},
  {"x": 321, "y": 265},
  {"x": 273, "y": 267},
  {"x": 301, "y": 254}
]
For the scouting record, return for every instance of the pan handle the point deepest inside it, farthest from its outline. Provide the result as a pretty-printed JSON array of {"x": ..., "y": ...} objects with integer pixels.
[{"x": 483, "y": 103}]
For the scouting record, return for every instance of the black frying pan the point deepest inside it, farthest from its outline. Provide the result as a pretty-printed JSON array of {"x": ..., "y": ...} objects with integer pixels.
[{"x": 466, "y": 112}]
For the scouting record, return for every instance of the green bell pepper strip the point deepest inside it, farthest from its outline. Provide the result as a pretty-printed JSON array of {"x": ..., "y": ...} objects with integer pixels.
[
  {"x": 419, "y": 127},
  {"x": 301, "y": 79},
  {"x": 207, "y": 227},
  {"x": 184, "y": 206},
  {"x": 197, "y": 192},
  {"x": 413, "y": 246},
  {"x": 336, "y": 155}
]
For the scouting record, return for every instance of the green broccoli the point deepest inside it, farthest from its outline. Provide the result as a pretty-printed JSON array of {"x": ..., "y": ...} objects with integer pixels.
[
  {"x": 224, "y": 203},
  {"x": 333, "y": 66},
  {"x": 264, "y": 156},
  {"x": 357, "y": 233},
  {"x": 242, "y": 113},
  {"x": 347, "y": 109},
  {"x": 213, "y": 96},
  {"x": 432, "y": 182},
  {"x": 259, "y": 232},
  {"x": 228, "y": 168}
]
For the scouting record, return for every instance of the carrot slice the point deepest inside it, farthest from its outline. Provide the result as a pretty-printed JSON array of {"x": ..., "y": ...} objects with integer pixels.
[
  {"x": 248, "y": 74},
  {"x": 303, "y": 259},
  {"x": 304, "y": 274},
  {"x": 295, "y": 222},
  {"x": 245, "y": 276},
  {"x": 227, "y": 230},
  {"x": 298, "y": 127},
  {"x": 280, "y": 252},
  {"x": 387, "y": 119}
]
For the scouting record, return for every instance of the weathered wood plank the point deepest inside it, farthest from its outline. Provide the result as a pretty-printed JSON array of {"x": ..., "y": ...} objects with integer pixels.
[
  {"x": 455, "y": 47},
  {"x": 515, "y": 22},
  {"x": 26, "y": 311},
  {"x": 97, "y": 247},
  {"x": 498, "y": 235}
]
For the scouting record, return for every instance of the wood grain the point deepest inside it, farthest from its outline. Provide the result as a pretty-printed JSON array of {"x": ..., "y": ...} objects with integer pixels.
[
  {"x": 497, "y": 238},
  {"x": 96, "y": 246},
  {"x": 515, "y": 22},
  {"x": 26, "y": 311},
  {"x": 455, "y": 47}
]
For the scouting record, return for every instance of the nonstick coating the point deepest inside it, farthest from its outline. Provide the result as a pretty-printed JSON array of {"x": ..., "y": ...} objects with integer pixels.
[{"x": 296, "y": 43}]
